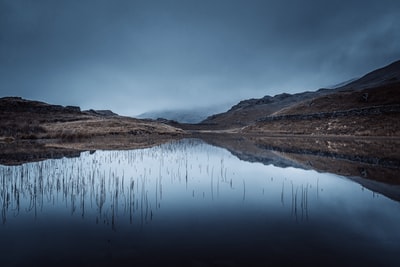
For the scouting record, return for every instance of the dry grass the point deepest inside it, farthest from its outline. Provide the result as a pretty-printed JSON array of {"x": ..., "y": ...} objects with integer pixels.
[
  {"x": 378, "y": 96},
  {"x": 374, "y": 125},
  {"x": 106, "y": 127},
  {"x": 31, "y": 120}
]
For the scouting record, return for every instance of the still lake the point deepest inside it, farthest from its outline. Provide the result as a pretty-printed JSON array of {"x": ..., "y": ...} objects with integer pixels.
[{"x": 187, "y": 203}]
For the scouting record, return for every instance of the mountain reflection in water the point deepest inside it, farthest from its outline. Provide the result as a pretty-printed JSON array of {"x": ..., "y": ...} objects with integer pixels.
[{"x": 189, "y": 203}]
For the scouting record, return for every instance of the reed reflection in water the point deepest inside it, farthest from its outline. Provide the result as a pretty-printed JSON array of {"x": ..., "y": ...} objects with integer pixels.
[
  {"x": 194, "y": 191},
  {"x": 107, "y": 185}
]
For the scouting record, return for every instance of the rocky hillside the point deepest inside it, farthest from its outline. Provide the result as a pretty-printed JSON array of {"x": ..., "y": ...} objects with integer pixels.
[
  {"x": 383, "y": 76},
  {"x": 55, "y": 125},
  {"x": 376, "y": 97},
  {"x": 377, "y": 88},
  {"x": 368, "y": 112},
  {"x": 251, "y": 110},
  {"x": 369, "y": 106}
]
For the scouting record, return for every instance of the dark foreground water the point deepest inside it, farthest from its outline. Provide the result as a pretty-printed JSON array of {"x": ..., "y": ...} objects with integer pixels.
[{"x": 189, "y": 204}]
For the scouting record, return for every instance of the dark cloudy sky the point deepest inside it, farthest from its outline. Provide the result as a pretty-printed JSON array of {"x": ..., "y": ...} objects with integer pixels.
[{"x": 135, "y": 56}]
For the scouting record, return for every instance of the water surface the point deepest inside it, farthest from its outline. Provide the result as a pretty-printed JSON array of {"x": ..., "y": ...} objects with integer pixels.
[{"x": 189, "y": 203}]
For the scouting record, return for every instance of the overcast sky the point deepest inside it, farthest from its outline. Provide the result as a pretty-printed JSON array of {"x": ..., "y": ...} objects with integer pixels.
[{"x": 135, "y": 56}]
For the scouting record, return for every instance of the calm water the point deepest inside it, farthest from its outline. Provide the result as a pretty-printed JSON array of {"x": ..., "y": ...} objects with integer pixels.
[{"x": 189, "y": 204}]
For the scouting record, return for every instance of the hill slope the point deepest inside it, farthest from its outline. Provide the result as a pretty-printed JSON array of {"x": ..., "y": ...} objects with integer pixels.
[
  {"x": 249, "y": 111},
  {"x": 383, "y": 76},
  {"x": 57, "y": 126},
  {"x": 379, "y": 87}
]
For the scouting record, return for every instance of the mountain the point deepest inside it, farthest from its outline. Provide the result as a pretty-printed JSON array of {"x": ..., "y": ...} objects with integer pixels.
[
  {"x": 379, "y": 87},
  {"x": 341, "y": 84},
  {"x": 369, "y": 106},
  {"x": 194, "y": 115},
  {"x": 182, "y": 116},
  {"x": 249, "y": 111},
  {"x": 387, "y": 75},
  {"x": 32, "y": 127}
]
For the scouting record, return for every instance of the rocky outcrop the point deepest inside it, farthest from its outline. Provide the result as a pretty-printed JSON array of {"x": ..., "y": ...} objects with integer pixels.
[
  {"x": 104, "y": 113},
  {"x": 20, "y": 105}
]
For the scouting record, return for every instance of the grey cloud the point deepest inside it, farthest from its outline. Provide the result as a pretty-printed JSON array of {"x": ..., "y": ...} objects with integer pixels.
[{"x": 134, "y": 56}]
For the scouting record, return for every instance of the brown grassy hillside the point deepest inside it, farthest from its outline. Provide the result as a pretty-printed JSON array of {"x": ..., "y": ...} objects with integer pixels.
[
  {"x": 55, "y": 125},
  {"x": 346, "y": 100}
]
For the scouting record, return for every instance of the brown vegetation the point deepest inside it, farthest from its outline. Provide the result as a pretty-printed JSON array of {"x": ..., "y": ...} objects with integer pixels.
[
  {"x": 348, "y": 99},
  {"x": 372, "y": 125},
  {"x": 369, "y": 112},
  {"x": 71, "y": 128}
]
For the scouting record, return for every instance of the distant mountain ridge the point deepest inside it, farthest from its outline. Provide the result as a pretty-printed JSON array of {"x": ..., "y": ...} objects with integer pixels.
[
  {"x": 194, "y": 115},
  {"x": 182, "y": 116},
  {"x": 250, "y": 111},
  {"x": 342, "y": 83},
  {"x": 382, "y": 76}
]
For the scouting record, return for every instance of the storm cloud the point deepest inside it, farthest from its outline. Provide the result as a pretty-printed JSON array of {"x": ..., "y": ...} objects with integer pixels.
[{"x": 135, "y": 56}]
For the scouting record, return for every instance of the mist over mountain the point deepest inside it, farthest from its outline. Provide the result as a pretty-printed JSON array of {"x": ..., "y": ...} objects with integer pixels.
[
  {"x": 194, "y": 115},
  {"x": 341, "y": 84}
]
